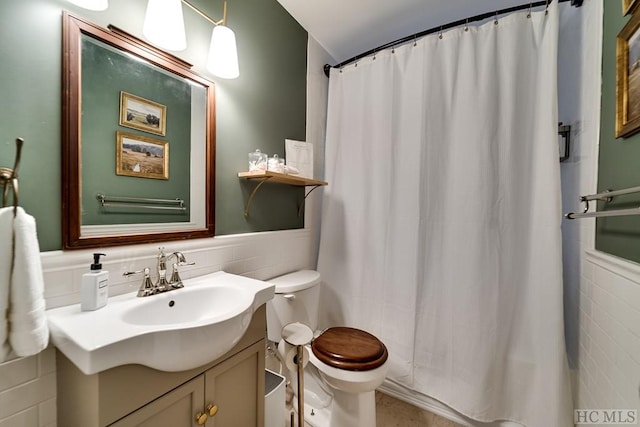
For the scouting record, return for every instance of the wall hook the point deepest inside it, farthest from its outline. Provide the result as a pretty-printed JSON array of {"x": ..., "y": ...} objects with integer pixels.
[{"x": 9, "y": 177}]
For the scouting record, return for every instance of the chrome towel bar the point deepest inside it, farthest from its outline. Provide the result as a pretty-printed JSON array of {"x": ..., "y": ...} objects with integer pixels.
[
  {"x": 607, "y": 197},
  {"x": 141, "y": 203}
]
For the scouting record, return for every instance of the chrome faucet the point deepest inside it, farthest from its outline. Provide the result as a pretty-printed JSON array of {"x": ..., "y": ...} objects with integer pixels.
[
  {"x": 148, "y": 288},
  {"x": 174, "y": 281}
]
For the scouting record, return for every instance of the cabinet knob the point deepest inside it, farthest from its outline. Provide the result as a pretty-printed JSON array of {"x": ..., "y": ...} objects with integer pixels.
[
  {"x": 212, "y": 409},
  {"x": 201, "y": 418}
]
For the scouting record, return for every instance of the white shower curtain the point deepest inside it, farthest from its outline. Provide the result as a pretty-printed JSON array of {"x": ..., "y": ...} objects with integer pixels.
[{"x": 441, "y": 221}]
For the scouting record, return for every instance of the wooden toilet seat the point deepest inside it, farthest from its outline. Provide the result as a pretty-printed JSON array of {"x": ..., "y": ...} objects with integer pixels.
[{"x": 349, "y": 349}]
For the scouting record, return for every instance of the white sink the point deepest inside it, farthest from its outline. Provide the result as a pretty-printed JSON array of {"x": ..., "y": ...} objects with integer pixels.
[
  {"x": 174, "y": 331},
  {"x": 190, "y": 305}
]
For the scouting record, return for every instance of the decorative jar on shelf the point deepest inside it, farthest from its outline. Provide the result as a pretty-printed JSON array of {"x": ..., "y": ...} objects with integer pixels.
[
  {"x": 257, "y": 161},
  {"x": 276, "y": 164}
]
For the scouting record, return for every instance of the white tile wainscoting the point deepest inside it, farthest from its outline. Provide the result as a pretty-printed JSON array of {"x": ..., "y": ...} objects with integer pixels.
[
  {"x": 257, "y": 255},
  {"x": 28, "y": 391},
  {"x": 609, "y": 352},
  {"x": 28, "y": 385}
]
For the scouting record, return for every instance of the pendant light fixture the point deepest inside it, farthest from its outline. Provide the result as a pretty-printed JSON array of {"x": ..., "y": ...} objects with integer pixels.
[
  {"x": 164, "y": 24},
  {"x": 223, "y": 53}
]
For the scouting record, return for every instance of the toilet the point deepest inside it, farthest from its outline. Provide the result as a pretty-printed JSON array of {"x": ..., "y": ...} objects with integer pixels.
[{"x": 345, "y": 364}]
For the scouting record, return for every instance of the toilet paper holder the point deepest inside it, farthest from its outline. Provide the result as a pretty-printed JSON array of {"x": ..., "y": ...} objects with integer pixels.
[{"x": 298, "y": 335}]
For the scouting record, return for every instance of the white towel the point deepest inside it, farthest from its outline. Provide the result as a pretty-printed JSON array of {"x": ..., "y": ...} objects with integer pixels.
[
  {"x": 28, "y": 328},
  {"x": 6, "y": 225}
]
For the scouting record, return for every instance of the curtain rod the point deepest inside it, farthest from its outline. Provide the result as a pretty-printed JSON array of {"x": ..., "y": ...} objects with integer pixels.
[{"x": 482, "y": 17}]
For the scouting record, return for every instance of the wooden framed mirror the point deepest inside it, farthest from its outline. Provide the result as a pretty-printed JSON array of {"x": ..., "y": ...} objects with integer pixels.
[{"x": 138, "y": 141}]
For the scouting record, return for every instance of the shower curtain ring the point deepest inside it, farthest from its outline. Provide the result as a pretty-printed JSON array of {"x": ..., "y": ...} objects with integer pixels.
[
  {"x": 440, "y": 33},
  {"x": 466, "y": 25},
  {"x": 495, "y": 21},
  {"x": 546, "y": 8},
  {"x": 415, "y": 40},
  {"x": 374, "y": 54},
  {"x": 529, "y": 12}
]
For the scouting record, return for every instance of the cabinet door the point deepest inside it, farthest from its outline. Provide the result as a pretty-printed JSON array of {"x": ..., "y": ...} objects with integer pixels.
[
  {"x": 177, "y": 408},
  {"x": 236, "y": 387}
]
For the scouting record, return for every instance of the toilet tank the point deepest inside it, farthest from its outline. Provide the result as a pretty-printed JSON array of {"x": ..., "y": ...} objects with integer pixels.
[{"x": 296, "y": 299}]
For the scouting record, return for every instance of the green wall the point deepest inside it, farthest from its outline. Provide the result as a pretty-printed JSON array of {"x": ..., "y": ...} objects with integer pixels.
[
  {"x": 618, "y": 158},
  {"x": 258, "y": 110}
]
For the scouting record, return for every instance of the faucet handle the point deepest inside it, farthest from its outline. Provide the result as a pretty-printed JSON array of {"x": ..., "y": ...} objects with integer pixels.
[
  {"x": 176, "y": 281},
  {"x": 146, "y": 288},
  {"x": 131, "y": 273}
]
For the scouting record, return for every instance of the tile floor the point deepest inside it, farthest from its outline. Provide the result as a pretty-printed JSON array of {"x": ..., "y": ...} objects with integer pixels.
[{"x": 391, "y": 412}]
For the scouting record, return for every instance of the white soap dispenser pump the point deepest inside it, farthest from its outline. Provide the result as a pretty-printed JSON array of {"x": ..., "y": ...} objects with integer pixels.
[{"x": 95, "y": 285}]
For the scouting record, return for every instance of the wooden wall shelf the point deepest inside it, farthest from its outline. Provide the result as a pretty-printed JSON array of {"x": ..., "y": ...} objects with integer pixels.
[{"x": 280, "y": 178}]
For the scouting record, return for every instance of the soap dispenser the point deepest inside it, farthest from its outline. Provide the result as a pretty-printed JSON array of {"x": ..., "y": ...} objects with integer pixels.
[{"x": 95, "y": 285}]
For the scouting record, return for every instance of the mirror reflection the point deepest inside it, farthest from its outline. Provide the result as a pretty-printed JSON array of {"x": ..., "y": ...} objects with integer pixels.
[{"x": 144, "y": 144}]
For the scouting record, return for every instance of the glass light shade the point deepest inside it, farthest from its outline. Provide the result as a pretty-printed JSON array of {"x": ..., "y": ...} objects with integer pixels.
[
  {"x": 164, "y": 24},
  {"x": 91, "y": 4},
  {"x": 223, "y": 54}
]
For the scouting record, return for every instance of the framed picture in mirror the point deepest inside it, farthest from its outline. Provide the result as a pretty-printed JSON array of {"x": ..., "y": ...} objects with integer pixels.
[
  {"x": 141, "y": 157},
  {"x": 142, "y": 114},
  {"x": 628, "y": 79},
  {"x": 629, "y": 6}
]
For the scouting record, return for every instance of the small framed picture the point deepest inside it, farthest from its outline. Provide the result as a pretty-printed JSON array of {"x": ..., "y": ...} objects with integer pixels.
[
  {"x": 141, "y": 157},
  {"x": 142, "y": 114},
  {"x": 628, "y": 78},
  {"x": 628, "y": 6}
]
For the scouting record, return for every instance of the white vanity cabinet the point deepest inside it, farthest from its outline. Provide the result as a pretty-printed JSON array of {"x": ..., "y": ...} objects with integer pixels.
[{"x": 228, "y": 392}]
